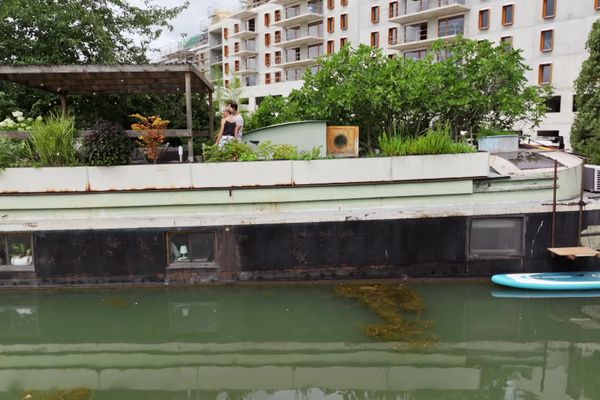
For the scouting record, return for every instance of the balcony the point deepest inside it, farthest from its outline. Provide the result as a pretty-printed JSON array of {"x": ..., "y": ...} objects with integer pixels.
[
  {"x": 300, "y": 15},
  {"x": 245, "y": 50},
  {"x": 244, "y": 13},
  {"x": 412, "y": 40},
  {"x": 302, "y": 59},
  {"x": 248, "y": 68},
  {"x": 413, "y": 11},
  {"x": 244, "y": 33},
  {"x": 302, "y": 37},
  {"x": 216, "y": 60}
]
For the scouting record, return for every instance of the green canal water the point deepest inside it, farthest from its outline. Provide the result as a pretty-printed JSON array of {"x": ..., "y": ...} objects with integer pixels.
[{"x": 293, "y": 342}]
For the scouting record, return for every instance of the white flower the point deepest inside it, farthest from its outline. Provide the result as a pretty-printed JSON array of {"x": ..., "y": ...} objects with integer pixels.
[
  {"x": 20, "y": 119},
  {"x": 17, "y": 114},
  {"x": 38, "y": 118}
]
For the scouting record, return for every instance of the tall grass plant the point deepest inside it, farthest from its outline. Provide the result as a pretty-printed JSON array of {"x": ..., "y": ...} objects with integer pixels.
[{"x": 52, "y": 142}]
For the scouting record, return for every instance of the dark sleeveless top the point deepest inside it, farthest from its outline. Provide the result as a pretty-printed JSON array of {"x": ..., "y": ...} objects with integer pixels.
[{"x": 229, "y": 129}]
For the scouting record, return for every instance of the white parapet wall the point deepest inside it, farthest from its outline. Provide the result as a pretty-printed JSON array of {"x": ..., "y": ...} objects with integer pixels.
[{"x": 243, "y": 174}]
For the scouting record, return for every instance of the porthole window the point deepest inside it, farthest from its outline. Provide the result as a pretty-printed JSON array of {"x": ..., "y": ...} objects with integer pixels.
[
  {"x": 16, "y": 251},
  {"x": 191, "y": 249},
  {"x": 491, "y": 237}
]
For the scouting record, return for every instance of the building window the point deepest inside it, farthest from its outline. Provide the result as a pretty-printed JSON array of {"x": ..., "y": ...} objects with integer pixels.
[
  {"x": 292, "y": 11},
  {"x": 451, "y": 26},
  {"x": 16, "y": 250},
  {"x": 236, "y": 28},
  {"x": 267, "y": 19},
  {"x": 331, "y": 4},
  {"x": 344, "y": 22},
  {"x": 278, "y": 37},
  {"x": 549, "y": 9},
  {"x": 416, "y": 32},
  {"x": 330, "y": 24},
  {"x": 278, "y": 76},
  {"x": 187, "y": 248},
  {"x": 374, "y": 39},
  {"x": 547, "y": 40},
  {"x": 251, "y": 80},
  {"x": 236, "y": 65},
  {"x": 545, "y": 74},
  {"x": 315, "y": 68},
  {"x": 597, "y": 4},
  {"x": 236, "y": 47},
  {"x": 267, "y": 59},
  {"x": 392, "y": 36},
  {"x": 375, "y": 14},
  {"x": 553, "y": 104},
  {"x": 267, "y": 79},
  {"x": 226, "y": 51},
  {"x": 226, "y": 83},
  {"x": 292, "y": 54},
  {"x": 343, "y": 42},
  {"x": 278, "y": 57},
  {"x": 316, "y": 29},
  {"x": 315, "y": 51},
  {"x": 225, "y": 33},
  {"x": 492, "y": 237},
  {"x": 393, "y": 9},
  {"x": 293, "y": 74},
  {"x": 416, "y": 54},
  {"x": 344, "y": 3},
  {"x": 508, "y": 14},
  {"x": 330, "y": 47},
  {"x": 277, "y": 15},
  {"x": 226, "y": 68},
  {"x": 267, "y": 39},
  {"x": 507, "y": 41},
  {"x": 484, "y": 19}
]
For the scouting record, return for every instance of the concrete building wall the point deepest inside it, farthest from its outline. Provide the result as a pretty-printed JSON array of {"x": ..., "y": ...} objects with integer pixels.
[{"x": 571, "y": 24}]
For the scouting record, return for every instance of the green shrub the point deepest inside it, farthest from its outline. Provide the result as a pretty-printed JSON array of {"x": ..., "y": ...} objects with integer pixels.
[
  {"x": 52, "y": 142},
  {"x": 107, "y": 144},
  {"x": 12, "y": 153},
  {"x": 392, "y": 145},
  {"x": 485, "y": 132},
  {"x": 239, "y": 151}
]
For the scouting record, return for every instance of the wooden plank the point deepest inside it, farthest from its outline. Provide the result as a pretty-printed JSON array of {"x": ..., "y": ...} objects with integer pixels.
[{"x": 573, "y": 252}]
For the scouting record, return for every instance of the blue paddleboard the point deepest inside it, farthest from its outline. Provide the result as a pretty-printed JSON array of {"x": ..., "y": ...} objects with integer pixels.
[{"x": 550, "y": 280}]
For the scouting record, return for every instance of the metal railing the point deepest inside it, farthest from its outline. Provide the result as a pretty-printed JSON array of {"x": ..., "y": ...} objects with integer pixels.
[
  {"x": 301, "y": 56},
  {"x": 412, "y": 7},
  {"x": 456, "y": 28},
  {"x": 292, "y": 34}
]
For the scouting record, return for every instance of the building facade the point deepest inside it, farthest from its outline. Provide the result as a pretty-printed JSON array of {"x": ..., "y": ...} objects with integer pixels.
[{"x": 268, "y": 44}]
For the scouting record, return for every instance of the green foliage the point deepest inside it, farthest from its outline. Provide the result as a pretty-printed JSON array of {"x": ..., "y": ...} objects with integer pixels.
[
  {"x": 52, "y": 142},
  {"x": 466, "y": 84},
  {"x": 12, "y": 153},
  {"x": 107, "y": 144},
  {"x": 272, "y": 111},
  {"x": 17, "y": 122},
  {"x": 437, "y": 140},
  {"x": 585, "y": 133},
  {"x": 485, "y": 132},
  {"x": 240, "y": 151}
]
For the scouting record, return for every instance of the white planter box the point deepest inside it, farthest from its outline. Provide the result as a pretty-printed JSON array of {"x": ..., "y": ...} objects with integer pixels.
[
  {"x": 50, "y": 180},
  {"x": 236, "y": 174},
  {"x": 244, "y": 174},
  {"x": 499, "y": 144},
  {"x": 440, "y": 166},
  {"x": 140, "y": 177}
]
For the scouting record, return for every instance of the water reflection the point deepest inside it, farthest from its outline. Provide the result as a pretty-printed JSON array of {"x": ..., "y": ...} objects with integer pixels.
[{"x": 294, "y": 343}]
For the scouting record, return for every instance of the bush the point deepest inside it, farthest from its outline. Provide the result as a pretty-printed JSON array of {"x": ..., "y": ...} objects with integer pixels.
[
  {"x": 239, "y": 151},
  {"x": 485, "y": 132},
  {"x": 107, "y": 144},
  {"x": 52, "y": 142},
  {"x": 437, "y": 140},
  {"x": 12, "y": 152}
]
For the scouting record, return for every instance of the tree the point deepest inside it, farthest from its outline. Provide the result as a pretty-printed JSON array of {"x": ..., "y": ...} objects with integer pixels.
[
  {"x": 585, "y": 133},
  {"x": 75, "y": 32},
  {"x": 468, "y": 85}
]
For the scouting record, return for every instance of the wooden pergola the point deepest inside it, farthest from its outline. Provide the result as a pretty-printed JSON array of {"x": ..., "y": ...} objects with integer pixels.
[{"x": 66, "y": 80}]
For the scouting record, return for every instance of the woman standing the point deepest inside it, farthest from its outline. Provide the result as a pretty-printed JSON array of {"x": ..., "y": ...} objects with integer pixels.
[{"x": 227, "y": 131}]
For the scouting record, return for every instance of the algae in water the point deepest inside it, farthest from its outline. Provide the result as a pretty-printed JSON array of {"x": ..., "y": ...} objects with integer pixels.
[{"x": 398, "y": 306}]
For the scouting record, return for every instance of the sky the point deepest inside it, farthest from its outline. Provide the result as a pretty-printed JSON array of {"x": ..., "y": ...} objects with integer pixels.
[{"x": 190, "y": 20}]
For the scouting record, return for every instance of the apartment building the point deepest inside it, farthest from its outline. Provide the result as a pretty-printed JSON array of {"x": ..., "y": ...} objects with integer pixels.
[{"x": 268, "y": 44}]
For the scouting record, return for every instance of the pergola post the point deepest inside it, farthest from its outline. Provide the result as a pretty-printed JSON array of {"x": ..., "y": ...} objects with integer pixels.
[
  {"x": 188, "y": 110},
  {"x": 211, "y": 116},
  {"x": 63, "y": 104}
]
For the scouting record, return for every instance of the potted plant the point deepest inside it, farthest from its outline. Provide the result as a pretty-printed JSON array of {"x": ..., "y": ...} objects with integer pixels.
[
  {"x": 20, "y": 254},
  {"x": 497, "y": 141},
  {"x": 153, "y": 135}
]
